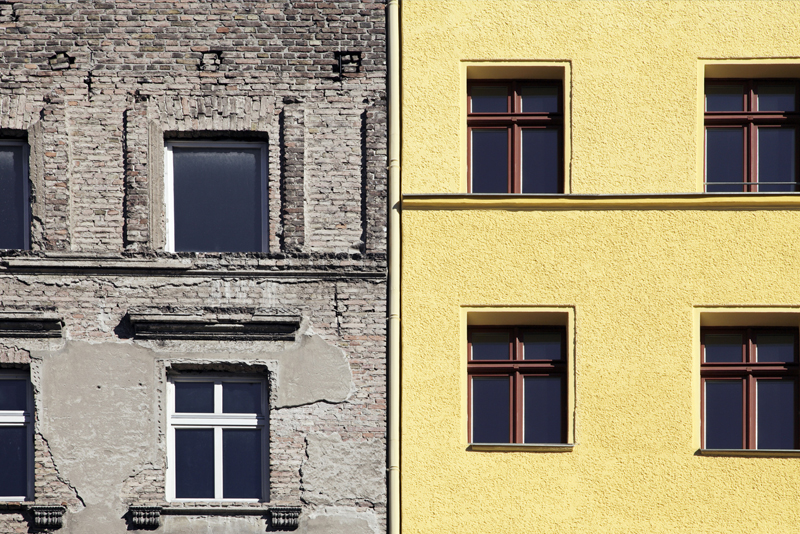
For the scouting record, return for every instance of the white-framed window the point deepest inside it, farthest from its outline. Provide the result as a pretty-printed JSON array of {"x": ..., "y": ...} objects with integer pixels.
[
  {"x": 16, "y": 436},
  {"x": 218, "y": 438},
  {"x": 15, "y": 216},
  {"x": 216, "y": 196}
]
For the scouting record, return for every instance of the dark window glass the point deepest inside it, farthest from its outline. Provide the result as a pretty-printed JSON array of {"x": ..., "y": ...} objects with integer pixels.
[
  {"x": 776, "y": 159},
  {"x": 723, "y": 348},
  {"x": 541, "y": 346},
  {"x": 490, "y": 161},
  {"x": 241, "y": 397},
  {"x": 489, "y": 99},
  {"x": 13, "y": 226},
  {"x": 14, "y": 458},
  {"x": 776, "y": 97},
  {"x": 490, "y": 346},
  {"x": 490, "y": 410},
  {"x": 194, "y": 463},
  {"x": 217, "y": 197},
  {"x": 775, "y": 408},
  {"x": 724, "y": 159},
  {"x": 724, "y": 97},
  {"x": 194, "y": 397},
  {"x": 540, "y": 160},
  {"x": 723, "y": 420},
  {"x": 13, "y": 395},
  {"x": 543, "y": 412},
  {"x": 775, "y": 348},
  {"x": 241, "y": 464},
  {"x": 538, "y": 99}
]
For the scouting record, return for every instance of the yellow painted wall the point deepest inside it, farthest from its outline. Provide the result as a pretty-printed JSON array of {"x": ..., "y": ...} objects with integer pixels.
[{"x": 638, "y": 274}]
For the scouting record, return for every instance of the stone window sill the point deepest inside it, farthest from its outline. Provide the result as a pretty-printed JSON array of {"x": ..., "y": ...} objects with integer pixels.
[
  {"x": 751, "y": 453},
  {"x": 521, "y": 447}
]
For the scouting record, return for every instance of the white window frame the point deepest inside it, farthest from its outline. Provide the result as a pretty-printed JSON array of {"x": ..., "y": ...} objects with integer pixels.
[
  {"x": 169, "y": 182},
  {"x": 26, "y": 189},
  {"x": 22, "y": 418},
  {"x": 217, "y": 421}
]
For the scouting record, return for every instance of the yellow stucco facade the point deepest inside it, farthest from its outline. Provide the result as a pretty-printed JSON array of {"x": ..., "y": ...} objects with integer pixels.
[{"x": 633, "y": 260}]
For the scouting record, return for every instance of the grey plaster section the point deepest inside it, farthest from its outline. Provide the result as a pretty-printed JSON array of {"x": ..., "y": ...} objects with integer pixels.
[
  {"x": 333, "y": 521},
  {"x": 36, "y": 182},
  {"x": 312, "y": 370},
  {"x": 155, "y": 177},
  {"x": 330, "y": 476},
  {"x": 177, "y": 524}
]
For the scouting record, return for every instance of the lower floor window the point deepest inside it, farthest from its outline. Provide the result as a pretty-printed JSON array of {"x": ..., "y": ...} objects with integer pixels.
[
  {"x": 16, "y": 437},
  {"x": 517, "y": 385},
  {"x": 218, "y": 438},
  {"x": 750, "y": 391}
]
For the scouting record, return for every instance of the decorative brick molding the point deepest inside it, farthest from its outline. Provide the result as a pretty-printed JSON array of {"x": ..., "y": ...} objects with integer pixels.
[
  {"x": 47, "y": 516},
  {"x": 30, "y": 323},
  {"x": 214, "y": 323},
  {"x": 145, "y": 517},
  {"x": 284, "y": 517}
]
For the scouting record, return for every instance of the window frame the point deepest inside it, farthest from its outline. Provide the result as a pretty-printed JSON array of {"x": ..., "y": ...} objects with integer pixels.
[
  {"x": 750, "y": 120},
  {"x": 217, "y": 421},
  {"x": 26, "y": 189},
  {"x": 516, "y": 369},
  {"x": 514, "y": 121},
  {"x": 749, "y": 371},
  {"x": 169, "y": 180},
  {"x": 23, "y": 418}
]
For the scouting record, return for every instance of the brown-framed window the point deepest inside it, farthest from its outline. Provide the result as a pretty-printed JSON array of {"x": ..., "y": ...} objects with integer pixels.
[
  {"x": 517, "y": 384},
  {"x": 751, "y": 135},
  {"x": 516, "y": 141},
  {"x": 750, "y": 388}
]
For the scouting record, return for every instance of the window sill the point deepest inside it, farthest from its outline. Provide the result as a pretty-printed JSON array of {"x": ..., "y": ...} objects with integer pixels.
[
  {"x": 521, "y": 447},
  {"x": 751, "y": 453}
]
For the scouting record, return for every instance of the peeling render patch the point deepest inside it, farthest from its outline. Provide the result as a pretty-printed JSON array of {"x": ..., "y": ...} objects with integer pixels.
[
  {"x": 338, "y": 521},
  {"x": 175, "y": 524}
]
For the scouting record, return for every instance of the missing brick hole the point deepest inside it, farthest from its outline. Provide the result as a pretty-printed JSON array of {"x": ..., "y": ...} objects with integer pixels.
[
  {"x": 347, "y": 64},
  {"x": 9, "y": 10},
  {"x": 60, "y": 61},
  {"x": 211, "y": 60}
]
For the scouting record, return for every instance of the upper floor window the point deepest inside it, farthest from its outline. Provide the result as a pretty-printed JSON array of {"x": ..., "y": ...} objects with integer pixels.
[
  {"x": 518, "y": 384},
  {"x": 16, "y": 437},
  {"x": 515, "y": 133},
  {"x": 218, "y": 438},
  {"x": 750, "y": 388},
  {"x": 216, "y": 196},
  {"x": 14, "y": 195},
  {"x": 751, "y": 135}
]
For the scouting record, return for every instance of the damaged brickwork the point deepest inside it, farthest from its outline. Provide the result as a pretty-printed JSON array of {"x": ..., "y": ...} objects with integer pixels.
[{"x": 96, "y": 89}]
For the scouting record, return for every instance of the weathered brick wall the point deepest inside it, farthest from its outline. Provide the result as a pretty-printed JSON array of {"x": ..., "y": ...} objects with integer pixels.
[{"x": 96, "y": 88}]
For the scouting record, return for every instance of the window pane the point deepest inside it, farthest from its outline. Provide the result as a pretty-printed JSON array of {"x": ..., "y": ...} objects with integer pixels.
[
  {"x": 241, "y": 397},
  {"x": 540, "y": 161},
  {"x": 775, "y": 348},
  {"x": 723, "y": 421},
  {"x": 490, "y": 346},
  {"x": 490, "y": 161},
  {"x": 194, "y": 463},
  {"x": 12, "y": 197},
  {"x": 489, "y": 98},
  {"x": 541, "y": 346},
  {"x": 14, "y": 454},
  {"x": 241, "y": 464},
  {"x": 776, "y": 416},
  {"x": 723, "y": 347},
  {"x": 724, "y": 160},
  {"x": 543, "y": 98},
  {"x": 13, "y": 395},
  {"x": 194, "y": 397},
  {"x": 490, "y": 410},
  {"x": 776, "y": 97},
  {"x": 724, "y": 98},
  {"x": 543, "y": 409},
  {"x": 217, "y": 199},
  {"x": 776, "y": 158}
]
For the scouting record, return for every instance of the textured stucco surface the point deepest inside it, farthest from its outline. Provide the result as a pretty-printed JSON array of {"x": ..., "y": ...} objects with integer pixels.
[{"x": 638, "y": 275}]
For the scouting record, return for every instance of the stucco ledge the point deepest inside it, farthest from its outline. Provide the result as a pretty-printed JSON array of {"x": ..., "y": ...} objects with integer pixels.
[{"x": 521, "y": 447}]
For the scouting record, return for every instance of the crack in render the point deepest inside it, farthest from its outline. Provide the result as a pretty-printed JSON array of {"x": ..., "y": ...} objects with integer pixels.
[{"x": 60, "y": 478}]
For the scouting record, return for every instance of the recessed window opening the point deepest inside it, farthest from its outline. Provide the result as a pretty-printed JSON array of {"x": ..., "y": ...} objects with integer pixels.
[
  {"x": 216, "y": 196},
  {"x": 14, "y": 195},
  {"x": 16, "y": 436}
]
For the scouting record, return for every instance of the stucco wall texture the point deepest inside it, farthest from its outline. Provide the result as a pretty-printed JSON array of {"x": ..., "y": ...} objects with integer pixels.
[{"x": 639, "y": 274}]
